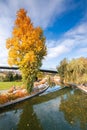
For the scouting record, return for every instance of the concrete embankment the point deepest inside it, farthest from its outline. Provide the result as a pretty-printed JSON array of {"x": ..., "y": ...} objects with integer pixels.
[{"x": 80, "y": 87}]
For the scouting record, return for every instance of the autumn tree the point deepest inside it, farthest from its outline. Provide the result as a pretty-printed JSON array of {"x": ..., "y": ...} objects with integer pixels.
[
  {"x": 26, "y": 48},
  {"x": 73, "y": 71}
]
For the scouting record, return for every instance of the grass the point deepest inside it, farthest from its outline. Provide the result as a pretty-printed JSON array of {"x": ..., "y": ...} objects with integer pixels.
[{"x": 8, "y": 85}]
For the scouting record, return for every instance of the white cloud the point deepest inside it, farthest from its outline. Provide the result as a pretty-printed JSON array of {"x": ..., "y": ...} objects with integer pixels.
[
  {"x": 5, "y": 29},
  {"x": 42, "y": 13},
  {"x": 83, "y": 50},
  {"x": 58, "y": 50},
  {"x": 72, "y": 44},
  {"x": 64, "y": 45}
]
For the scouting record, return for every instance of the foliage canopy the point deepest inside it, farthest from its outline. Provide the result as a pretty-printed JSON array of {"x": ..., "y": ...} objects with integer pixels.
[
  {"x": 26, "y": 47},
  {"x": 74, "y": 70}
]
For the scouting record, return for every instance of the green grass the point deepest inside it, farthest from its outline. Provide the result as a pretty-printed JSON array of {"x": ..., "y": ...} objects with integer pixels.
[{"x": 8, "y": 85}]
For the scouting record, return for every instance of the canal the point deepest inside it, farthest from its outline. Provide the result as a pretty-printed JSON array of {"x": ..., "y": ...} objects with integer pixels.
[{"x": 55, "y": 109}]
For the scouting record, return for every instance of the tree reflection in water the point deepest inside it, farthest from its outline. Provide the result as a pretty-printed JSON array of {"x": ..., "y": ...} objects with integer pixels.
[
  {"x": 74, "y": 107},
  {"x": 28, "y": 119},
  {"x": 58, "y": 110}
]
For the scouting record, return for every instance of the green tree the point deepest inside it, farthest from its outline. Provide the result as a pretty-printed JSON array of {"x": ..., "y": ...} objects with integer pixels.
[
  {"x": 62, "y": 68},
  {"x": 73, "y": 71},
  {"x": 9, "y": 76}
]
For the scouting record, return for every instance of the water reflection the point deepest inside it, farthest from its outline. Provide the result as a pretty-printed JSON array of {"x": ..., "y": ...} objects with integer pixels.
[
  {"x": 60, "y": 110},
  {"x": 9, "y": 120},
  {"x": 28, "y": 119},
  {"x": 74, "y": 107},
  {"x": 48, "y": 114}
]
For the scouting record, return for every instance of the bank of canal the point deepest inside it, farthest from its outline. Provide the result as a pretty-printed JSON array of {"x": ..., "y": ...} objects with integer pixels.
[{"x": 64, "y": 109}]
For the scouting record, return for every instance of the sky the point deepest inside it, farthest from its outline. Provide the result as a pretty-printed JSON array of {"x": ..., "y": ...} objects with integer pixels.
[{"x": 64, "y": 23}]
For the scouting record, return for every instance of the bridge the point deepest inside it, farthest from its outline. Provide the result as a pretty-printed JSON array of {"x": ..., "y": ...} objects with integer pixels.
[{"x": 16, "y": 68}]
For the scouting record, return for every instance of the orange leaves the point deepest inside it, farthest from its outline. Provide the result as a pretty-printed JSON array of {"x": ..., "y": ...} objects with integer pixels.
[
  {"x": 20, "y": 16},
  {"x": 29, "y": 57},
  {"x": 21, "y": 13},
  {"x": 8, "y": 43},
  {"x": 12, "y": 95},
  {"x": 26, "y": 46},
  {"x": 3, "y": 98},
  {"x": 26, "y": 41},
  {"x": 12, "y": 61},
  {"x": 12, "y": 53}
]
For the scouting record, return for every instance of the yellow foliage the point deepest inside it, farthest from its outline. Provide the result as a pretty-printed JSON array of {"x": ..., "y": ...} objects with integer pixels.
[{"x": 26, "y": 46}]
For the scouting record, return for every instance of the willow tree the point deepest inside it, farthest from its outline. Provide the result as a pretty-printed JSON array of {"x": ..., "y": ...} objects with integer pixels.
[
  {"x": 26, "y": 48},
  {"x": 62, "y": 69},
  {"x": 73, "y": 71}
]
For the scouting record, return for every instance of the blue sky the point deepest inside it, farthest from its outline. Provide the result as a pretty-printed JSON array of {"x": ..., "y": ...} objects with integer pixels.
[{"x": 64, "y": 23}]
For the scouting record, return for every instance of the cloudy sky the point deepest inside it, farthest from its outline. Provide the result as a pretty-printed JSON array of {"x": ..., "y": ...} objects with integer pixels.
[{"x": 64, "y": 23}]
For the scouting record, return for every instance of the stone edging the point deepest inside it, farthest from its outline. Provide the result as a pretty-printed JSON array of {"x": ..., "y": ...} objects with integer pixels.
[
  {"x": 77, "y": 86},
  {"x": 53, "y": 91},
  {"x": 83, "y": 90},
  {"x": 22, "y": 99}
]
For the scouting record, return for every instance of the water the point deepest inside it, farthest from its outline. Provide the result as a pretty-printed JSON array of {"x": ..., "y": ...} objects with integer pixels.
[{"x": 64, "y": 109}]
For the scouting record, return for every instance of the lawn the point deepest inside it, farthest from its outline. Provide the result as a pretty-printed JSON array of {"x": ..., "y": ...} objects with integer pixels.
[{"x": 7, "y": 85}]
